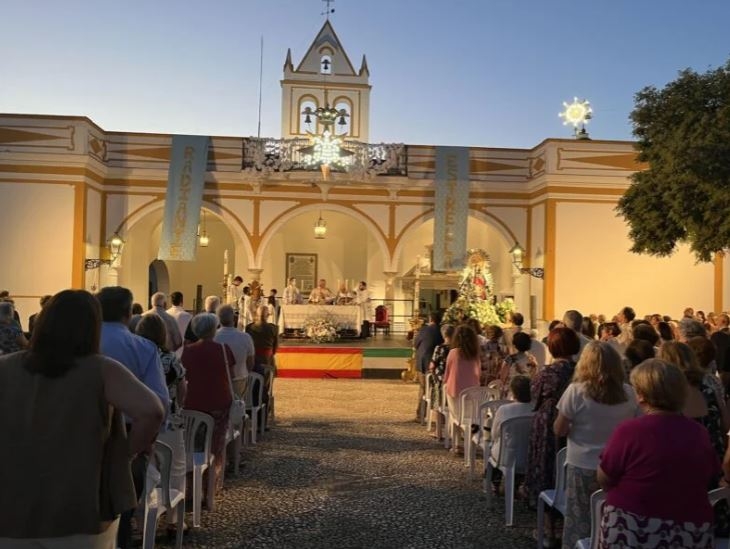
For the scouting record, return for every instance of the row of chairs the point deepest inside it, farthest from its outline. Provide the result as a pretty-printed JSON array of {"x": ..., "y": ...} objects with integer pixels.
[{"x": 161, "y": 497}]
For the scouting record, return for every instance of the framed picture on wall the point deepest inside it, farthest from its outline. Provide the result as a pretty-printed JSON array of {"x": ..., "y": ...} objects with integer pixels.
[{"x": 303, "y": 267}]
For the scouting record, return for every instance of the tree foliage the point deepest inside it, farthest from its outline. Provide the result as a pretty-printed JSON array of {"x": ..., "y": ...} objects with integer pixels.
[{"x": 683, "y": 133}]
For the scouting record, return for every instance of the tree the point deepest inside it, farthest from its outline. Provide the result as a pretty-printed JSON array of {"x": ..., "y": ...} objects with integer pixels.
[{"x": 683, "y": 133}]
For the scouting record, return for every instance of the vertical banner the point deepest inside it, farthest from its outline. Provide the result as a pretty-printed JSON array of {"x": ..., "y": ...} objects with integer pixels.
[
  {"x": 185, "y": 182},
  {"x": 452, "y": 208}
]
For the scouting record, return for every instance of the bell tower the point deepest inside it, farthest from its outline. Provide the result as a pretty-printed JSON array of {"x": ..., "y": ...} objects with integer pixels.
[{"x": 325, "y": 77}]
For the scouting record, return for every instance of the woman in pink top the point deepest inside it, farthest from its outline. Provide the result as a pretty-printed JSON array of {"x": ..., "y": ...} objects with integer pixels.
[
  {"x": 656, "y": 469},
  {"x": 463, "y": 367}
]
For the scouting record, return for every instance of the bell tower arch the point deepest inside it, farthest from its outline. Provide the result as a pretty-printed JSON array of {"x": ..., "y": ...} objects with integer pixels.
[{"x": 325, "y": 77}]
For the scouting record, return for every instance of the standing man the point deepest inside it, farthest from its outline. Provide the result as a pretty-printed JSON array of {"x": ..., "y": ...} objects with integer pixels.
[
  {"x": 139, "y": 356},
  {"x": 322, "y": 294},
  {"x": 364, "y": 301},
  {"x": 174, "y": 337},
  {"x": 427, "y": 339},
  {"x": 292, "y": 296},
  {"x": 234, "y": 291},
  {"x": 178, "y": 312}
]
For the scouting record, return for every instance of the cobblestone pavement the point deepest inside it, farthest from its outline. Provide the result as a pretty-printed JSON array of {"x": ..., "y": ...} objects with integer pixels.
[{"x": 345, "y": 466}]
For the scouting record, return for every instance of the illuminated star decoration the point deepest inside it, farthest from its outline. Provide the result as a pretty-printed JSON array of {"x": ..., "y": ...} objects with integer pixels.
[
  {"x": 326, "y": 150},
  {"x": 577, "y": 114}
]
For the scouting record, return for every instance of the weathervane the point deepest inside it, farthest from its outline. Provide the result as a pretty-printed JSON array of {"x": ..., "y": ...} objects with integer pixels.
[{"x": 328, "y": 9}]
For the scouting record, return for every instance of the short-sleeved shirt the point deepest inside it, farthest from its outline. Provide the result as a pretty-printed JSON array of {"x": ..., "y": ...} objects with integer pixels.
[
  {"x": 241, "y": 344},
  {"x": 591, "y": 423},
  {"x": 660, "y": 466}
]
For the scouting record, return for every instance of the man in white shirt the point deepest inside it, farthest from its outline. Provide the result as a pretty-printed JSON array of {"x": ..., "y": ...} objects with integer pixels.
[
  {"x": 240, "y": 343},
  {"x": 234, "y": 292},
  {"x": 322, "y": 294},
  {"x": 292, "y": 296},
  {"x": 174, "y": 338},
  {"x": 364, "y": 301},
  {"x": 178, "y": 312}
]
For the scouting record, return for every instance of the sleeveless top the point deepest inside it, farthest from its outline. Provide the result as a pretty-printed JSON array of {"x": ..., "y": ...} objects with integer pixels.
[{"x": 64, "y": 467}]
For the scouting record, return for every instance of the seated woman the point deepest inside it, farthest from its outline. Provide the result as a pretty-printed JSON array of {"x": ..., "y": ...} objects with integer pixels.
[
  {"x": 65, "y": 454},
  {"x": 208, "y": 365},
  {"x": 656, "y": 469},
  {"x": 521, "y": 363},
  {"x": 590, "y": 409}
]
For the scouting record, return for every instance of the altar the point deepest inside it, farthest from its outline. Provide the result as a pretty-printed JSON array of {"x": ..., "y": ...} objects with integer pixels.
[{"x": 344, "y": 317}]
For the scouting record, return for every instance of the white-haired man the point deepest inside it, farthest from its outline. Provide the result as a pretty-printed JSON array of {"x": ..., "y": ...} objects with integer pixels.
[
  {"x": 239, "y": 342},
  {"x": 158, "y": 303}
]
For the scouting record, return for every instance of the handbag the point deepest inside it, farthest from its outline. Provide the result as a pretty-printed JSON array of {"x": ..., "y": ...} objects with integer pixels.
[{"x": 238, "y": 406}]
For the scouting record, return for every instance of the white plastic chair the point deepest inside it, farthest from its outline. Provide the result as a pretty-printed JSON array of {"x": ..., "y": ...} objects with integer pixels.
[
  {"x": 597, "y": 499},
  {"x": 715, "y": 496},
  {"x": 514, "y": 437},
  {"x": 256, "y": 413},
  {"x": 486, "y": 413},
  {"x": 470, "y": 399},
  {"x": 199, "y": 462},
  {"x": 162, "y": 498},
  {"x": 554, "y": 497}
]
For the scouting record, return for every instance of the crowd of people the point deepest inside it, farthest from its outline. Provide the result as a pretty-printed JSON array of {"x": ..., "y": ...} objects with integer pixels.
[
  {"x": 640, "y": 404},
  {"x": 96, "y": 380}
]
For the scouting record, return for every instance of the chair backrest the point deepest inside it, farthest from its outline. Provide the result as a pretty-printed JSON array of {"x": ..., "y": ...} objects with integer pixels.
[
  {"x": 597, "y": 500},
  {"x": 514, "y": 441},
  {"x": 193, "y": 421},
  {"x": 560, "y": 476},
  {"x": 381, "y": 313},
  {"x": 494, "y": 392},
  {"x": 270, "y": 381},
  {"x": 488, "y": 409},
  {"x": 249, "y": 398},
  {"x": 163, "y": 453},
  {"x": 471, "y": 399}
]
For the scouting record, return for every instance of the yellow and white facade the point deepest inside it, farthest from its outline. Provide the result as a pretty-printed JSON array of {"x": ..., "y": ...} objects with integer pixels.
[{"x": 67, "y": 185}]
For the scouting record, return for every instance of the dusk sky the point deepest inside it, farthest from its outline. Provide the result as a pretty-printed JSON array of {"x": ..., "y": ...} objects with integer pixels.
[{"x": 490, "y": 73}]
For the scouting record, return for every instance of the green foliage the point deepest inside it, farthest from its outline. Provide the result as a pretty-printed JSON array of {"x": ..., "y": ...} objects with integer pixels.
[{"x": 683, "y": 133}]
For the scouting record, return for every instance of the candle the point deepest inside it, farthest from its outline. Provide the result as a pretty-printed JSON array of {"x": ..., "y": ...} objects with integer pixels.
[{"x": 225, "y": 263}]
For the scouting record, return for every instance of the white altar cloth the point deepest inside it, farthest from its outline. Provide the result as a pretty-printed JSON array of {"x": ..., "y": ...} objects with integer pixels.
[{"x": 345, "y": 317}]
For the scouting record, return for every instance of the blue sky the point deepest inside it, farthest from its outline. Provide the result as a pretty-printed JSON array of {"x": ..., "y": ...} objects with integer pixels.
[{"x": 490, "y": 73}]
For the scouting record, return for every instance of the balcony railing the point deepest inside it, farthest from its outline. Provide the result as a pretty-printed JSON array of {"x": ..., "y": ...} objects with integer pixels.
[{"x": 269, "y": 156}]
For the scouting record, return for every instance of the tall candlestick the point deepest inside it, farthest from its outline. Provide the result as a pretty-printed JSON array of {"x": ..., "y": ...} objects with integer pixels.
[{"x": 225, "y": 264}]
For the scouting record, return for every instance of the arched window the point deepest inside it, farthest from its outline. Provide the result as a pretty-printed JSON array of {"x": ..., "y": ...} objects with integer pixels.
[
  {"x": 325, "y": 65},
  {"x": 307, "y": 120},
  {"x": 343, "y": 124}
]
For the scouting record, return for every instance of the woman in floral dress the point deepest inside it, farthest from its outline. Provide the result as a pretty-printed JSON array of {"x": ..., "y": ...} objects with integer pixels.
[
  {"x": 436, "y": 370},
  {"x": 547, "y": 388}
]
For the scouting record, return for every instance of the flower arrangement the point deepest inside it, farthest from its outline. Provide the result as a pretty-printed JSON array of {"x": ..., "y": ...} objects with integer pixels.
[{"x": 320, "y": 329}]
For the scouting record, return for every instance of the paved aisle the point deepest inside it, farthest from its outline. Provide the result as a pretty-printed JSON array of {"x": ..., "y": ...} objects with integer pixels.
[{"x": 345, "y": 466}]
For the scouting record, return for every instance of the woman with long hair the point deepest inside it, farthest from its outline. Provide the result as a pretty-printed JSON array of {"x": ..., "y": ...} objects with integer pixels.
[
  {"x": 590, "y": 409},
  {"x": 62, "y": 396},
  {"x": 463, "y": 368}
]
